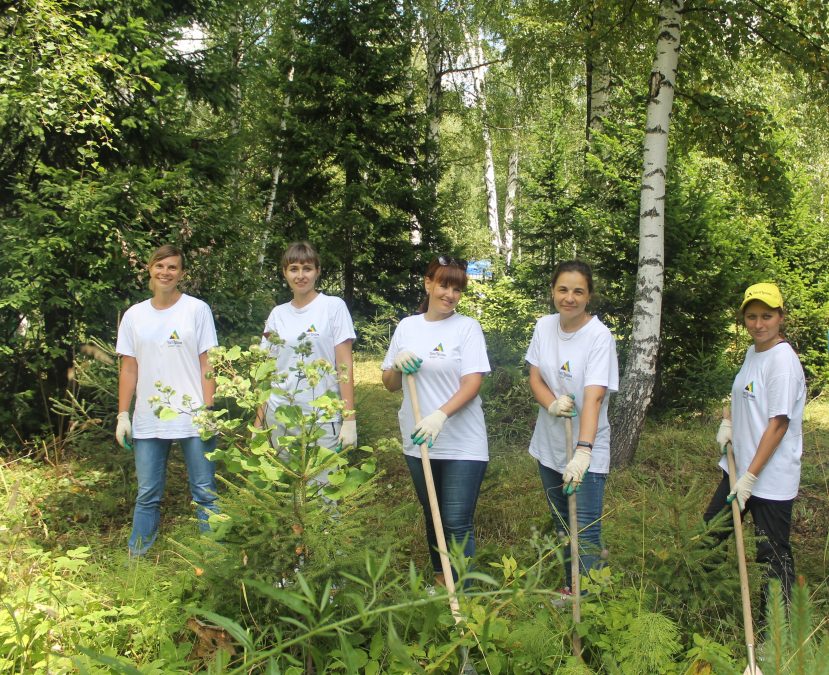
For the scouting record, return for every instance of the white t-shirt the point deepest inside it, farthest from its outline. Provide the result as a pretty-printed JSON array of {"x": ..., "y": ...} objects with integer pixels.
[
  {"x": 167, "y": 343},
  {"x": 770, "y": 383},
  {"x": 326, "y": 323},
  {"x": 450, "y": 348},
  {"x": 567, "y": 366}
]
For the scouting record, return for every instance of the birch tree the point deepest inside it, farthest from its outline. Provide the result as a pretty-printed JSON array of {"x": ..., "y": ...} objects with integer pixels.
[
  {"x": 636, "y": 387},
  {"x": 598, "y": 94},
  {"x": 475, "y": 54}
]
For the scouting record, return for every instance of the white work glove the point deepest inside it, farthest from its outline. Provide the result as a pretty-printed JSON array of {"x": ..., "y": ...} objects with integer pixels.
[
  {"x": 575, "y": 470},
  {"x": 563, "y": 406},
  {"x": 348, "y": 434},
  {"x": 407, "y": 362},
  {"x": 724, "y": 434},
  {"x": 742, "y": 489},
  {"x": 123, "y": 430},
  {"x": 429, "y": 428}
]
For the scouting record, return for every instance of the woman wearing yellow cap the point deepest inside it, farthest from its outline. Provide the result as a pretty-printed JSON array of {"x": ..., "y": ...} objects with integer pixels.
[{"x": 767, "y": 401}]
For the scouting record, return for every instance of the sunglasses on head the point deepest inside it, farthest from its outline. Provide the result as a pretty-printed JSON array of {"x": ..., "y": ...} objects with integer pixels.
[{"x": 445, "y": 260}]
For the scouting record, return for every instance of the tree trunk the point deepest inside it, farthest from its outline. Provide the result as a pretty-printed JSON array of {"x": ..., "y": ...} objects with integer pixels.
[
  {"x": 434, "y": 96},
  {"x": 510, "y": 200},
  {"x": 476, "y": 59},
  {"x": 636, "y": 388},
  {"x": 276, "y": 174},
  {"x": 598, "y": 92}
]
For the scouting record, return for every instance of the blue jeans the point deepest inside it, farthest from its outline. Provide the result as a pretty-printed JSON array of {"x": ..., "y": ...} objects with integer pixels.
[
  {"x": 589, "y": 501},
  {"x": 151, "y": 471},
  {"x": 457, "y": 484}
]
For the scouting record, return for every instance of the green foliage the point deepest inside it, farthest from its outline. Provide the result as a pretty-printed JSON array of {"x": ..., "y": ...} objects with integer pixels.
[
  {"x": 620, "y": 625},
  {"x": 58, "y": 603},
  {"x": 277, "y": 516},
  {"x": 679, "y": 559},
  {"x": 793, "y": 643},
  {"x": 347, "y": 147},
  {"x": 507, "y": 316}
]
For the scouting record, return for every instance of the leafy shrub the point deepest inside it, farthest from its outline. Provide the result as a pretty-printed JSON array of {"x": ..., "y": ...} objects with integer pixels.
[
  {"x": 276, "y": 516},
  {"x": 507, "y": 317},
  {"x": 58, "y": 603}
]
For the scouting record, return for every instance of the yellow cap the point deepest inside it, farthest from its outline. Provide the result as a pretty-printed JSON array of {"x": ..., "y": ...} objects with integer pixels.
[{"x": 765, "y": 293}]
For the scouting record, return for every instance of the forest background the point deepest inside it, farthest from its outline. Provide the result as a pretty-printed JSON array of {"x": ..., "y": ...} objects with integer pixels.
[{"x": 680, "y": 147}]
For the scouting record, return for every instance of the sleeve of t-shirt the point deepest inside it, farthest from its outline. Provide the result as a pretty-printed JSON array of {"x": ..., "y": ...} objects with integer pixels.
[
  {"x": 125, "y": 345},
  {"x": 473, "y": 351},
  {"x": 269, "y": 328},
  {"x": 205, "y": 328},
  {"x": 602, "y": 367},
  {"x": 533, "y": 356},
  {"x": 782, "y": 389},
  {"x": 394, "y": 346},
  {"x": 342, "y": 327}
]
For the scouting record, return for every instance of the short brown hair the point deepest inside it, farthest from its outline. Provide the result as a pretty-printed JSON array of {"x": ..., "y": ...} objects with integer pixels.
[{"x": 300, "y": 252}]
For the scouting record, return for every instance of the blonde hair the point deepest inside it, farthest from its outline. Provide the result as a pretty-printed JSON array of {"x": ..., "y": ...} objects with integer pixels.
[{"x": 162, "y": 252}]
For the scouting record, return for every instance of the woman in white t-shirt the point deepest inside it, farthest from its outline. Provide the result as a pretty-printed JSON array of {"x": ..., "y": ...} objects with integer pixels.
[
  {"x": 573, "y": 368},
  {"x": 447, "y": 352},
  {"x": 325, "y": 322},
  {"x": 767, "y": 401},
  {"x": 165, "y": 339}
]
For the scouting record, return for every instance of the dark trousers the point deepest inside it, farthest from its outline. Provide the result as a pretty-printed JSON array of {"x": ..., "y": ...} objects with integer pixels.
[
  {"x": 457, "y": 484},
  {"x": 772, "y": 525}
]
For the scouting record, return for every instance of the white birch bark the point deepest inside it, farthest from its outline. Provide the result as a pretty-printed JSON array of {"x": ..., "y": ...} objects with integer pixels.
[
  {"x": 276, "y": 174},
  {"x": 599, "y": 102},
  {"x": 636, "y": 387},
  {"x": 476, "y": 60},
  {"x": 434, "y": 91},
  {"x": 510, "y": 200}
]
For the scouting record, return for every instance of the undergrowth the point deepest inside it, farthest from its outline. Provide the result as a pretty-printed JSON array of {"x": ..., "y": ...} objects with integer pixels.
[{"x": 348, "y": 593}]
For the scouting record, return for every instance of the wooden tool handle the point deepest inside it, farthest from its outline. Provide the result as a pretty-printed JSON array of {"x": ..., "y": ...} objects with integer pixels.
[
  {"x": 745, "y": 593},
  {"x": 573, "y": 522},
  {"x": 437, "y": 523}
]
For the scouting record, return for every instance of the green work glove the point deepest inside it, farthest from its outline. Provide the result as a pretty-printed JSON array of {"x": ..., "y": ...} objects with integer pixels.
[
  {"x": 429, "y": 428},
  {"x": 123, "y": 430},
  {"x": 563, "y": 406},
  {"x": 742, "y": 490},
  {"x": 348, "y": 435},
  {"x": 724, "y": 434},
  {"x": 575, "y": 470},
  {"x": 407, "y": 362}
]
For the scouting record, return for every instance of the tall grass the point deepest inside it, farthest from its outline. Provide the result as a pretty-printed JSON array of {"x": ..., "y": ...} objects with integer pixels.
[{"x": 66, "y": 588}]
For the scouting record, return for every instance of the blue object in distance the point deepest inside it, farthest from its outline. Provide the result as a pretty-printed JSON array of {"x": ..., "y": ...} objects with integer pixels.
[{"x": 480, "y": 270}]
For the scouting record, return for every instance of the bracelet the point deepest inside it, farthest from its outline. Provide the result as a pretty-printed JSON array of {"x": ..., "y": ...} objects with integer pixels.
[{"x": 584, "y": 444}]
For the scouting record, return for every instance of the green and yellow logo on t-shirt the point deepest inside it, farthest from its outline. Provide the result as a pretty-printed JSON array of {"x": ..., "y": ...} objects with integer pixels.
[
  {"x": 748, "y": 391},
  {"x": 438, "y": 352},
  {"x": 174, "y": 340},
  {"x": 439, "y": 348},
  {"x": 750, "y": 387},
  {"x": 564, "y": 370}
]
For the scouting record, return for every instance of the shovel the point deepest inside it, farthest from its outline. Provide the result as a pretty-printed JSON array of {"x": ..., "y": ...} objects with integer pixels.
[
  {"x": 437, "y": 523},
  {"x": 573, "y": 524},
  {"x": 748, "y": 626}
]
